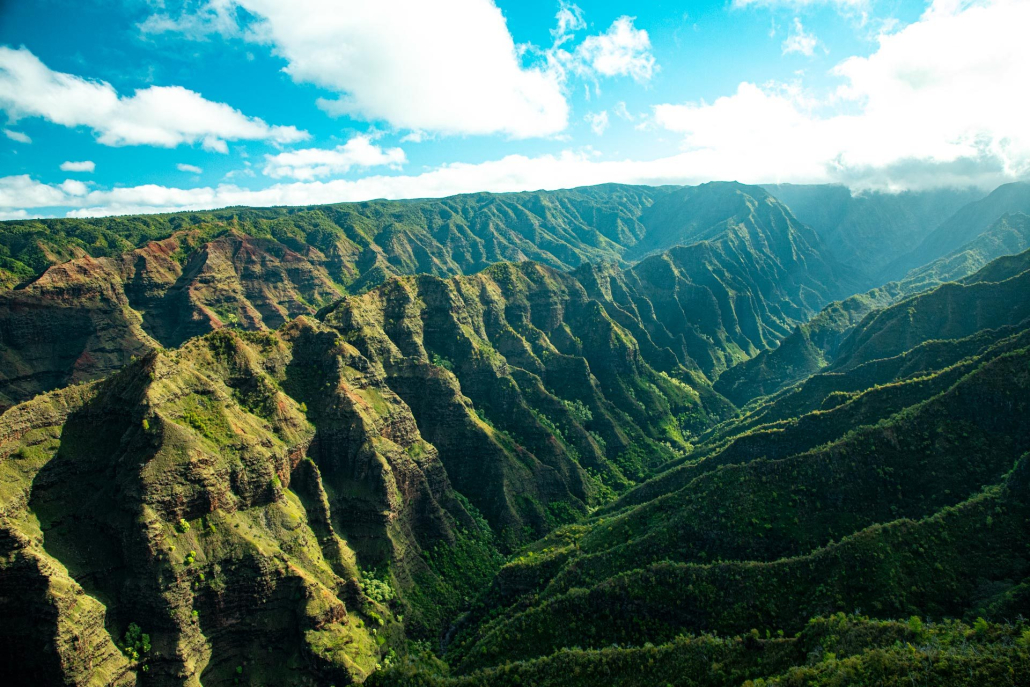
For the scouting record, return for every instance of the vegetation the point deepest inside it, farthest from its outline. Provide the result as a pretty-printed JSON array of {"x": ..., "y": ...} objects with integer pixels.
[{"x": 353, "y": 444}]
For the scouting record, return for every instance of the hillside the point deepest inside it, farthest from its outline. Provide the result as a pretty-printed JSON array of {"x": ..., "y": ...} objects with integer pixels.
[
  {"x": 522, "y": 475},
  {"x": 235, "y": 523},
  {"x": 814, "y": 345},
  {"x": 962, "y": 227},
  {"x": 360, "y": 244},
  {"x": 757, "y": 274},
  {"x": 867, "y": 231},
  {"x": 865, "y": 499}
]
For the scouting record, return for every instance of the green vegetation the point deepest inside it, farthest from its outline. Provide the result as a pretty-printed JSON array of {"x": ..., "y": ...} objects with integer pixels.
[
  {"x": 255, "y": 269},
  {"x": 524, "y": 474},
  {"x": 136, "y": 643},
  {"x": 836, "y": 650}
]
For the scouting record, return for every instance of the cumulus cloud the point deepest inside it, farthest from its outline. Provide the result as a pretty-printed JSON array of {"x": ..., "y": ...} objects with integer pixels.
[
  {"x": 17, "y": 136},
  {"x": 799, "y": 41},
  {"x": 192, "y": 169},
  {"x": 22, "y": 191},
  {"x": 84, "y": 166},
  {"x": 451, "y": 68},
  {"x": 598, "y": 121},
  {"x": 940, "y": 101},
  {"x": 359, "y": 152},
  {"x": 622, "y": 50},
  {"x": 74, "y": 188},
  {"x": 442, "y": 68},
  {"x": 164, "y": 116}
]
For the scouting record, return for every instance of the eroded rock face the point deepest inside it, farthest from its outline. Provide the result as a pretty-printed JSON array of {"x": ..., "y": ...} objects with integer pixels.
[
  {"x": 537, "y": 400},
  {"x": 198, "y": 495},
  {"x": 749, "y": 274},
  {"x": 88, "y": 317}
]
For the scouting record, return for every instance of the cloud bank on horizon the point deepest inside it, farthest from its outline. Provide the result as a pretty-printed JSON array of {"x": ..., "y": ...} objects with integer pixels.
[{"x": 939, "y": 101}]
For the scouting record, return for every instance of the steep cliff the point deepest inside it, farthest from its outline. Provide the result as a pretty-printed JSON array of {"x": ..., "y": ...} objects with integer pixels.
[{"x": 262, "y": 506}]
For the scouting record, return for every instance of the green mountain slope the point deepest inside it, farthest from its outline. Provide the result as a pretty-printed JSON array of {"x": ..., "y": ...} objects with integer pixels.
[
  {"x": 952, "y": 311},
  {"x": 962, "y": 227},
  {"x": 940, "y": 565},
  {"x": 258, "y": 500},
  {"x": 813, "y": 345},
  {"x": 301, "y": 466},
  {"x": 867, "y": 231},
  {"x": 869, "y": 500},
  {"x": 363, "y": 243},
  {"x": 838, "y": 650},
  {"x": 757, "y": 274}
]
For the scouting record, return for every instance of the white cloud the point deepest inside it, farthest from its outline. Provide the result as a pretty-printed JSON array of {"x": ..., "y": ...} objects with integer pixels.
[
  {"x": 203, "y": 19},
  {"x": 165, "y": 116},
  {"x": 622, "y": 112},
  {"x": 17, "y": 136},
  {"x": 192, "y": 169},
  {"x": 598, "y": 121},
  {"x": 623, "y": 50},
  {"x": 74, "y": 188},
  {"x": 319, "y": 162},
  {"x": 13, "y": 214},
  {"x": 799, "y": 41},
  {"x": 917, "y": 112},
  {"x": 511, "y": 173},
  {"x": 84, "y": 166},
  {"x": 570, "y": 19},
  {"x": 451, "y": 67},
  {"x": 436, "y": 68},
  {"x": 22, "y": 192}
]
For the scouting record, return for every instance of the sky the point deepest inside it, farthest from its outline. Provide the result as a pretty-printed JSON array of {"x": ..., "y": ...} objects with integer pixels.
[{"x": 137, "y": 106}]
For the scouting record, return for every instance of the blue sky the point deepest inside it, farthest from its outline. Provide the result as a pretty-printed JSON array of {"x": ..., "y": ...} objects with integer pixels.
[{"x": 115, "y": 106}]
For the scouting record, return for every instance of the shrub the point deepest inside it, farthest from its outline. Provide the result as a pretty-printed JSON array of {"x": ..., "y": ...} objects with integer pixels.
[
  {"x": 442, "y": 362},
  {"x": 136, "y": 643}
]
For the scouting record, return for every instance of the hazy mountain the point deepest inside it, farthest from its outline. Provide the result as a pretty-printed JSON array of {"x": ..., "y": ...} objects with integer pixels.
[
  {"x": 867, "y": 231},
  {"x": 964, "y": 226},
  {"x": 813, "y": 345}
]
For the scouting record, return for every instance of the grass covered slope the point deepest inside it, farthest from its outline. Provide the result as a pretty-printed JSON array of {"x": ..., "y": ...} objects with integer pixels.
[
  {"x": 132, "y": 284},
  {"x": 867, "y": 231},
  {"x": 783, "y": 503},
  {"x": 838, "y": 650},
  {"x": 814, "y": 345},
  {"x": 539, "y": 402},
  {"x": 363, "y": 243},
  {"x": 259, "y": 505},
  {"x": 902, "y": 492}
]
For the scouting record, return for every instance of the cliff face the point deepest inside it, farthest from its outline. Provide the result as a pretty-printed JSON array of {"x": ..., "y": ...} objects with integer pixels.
[
  {"x": 750, "y": 273},
  {"x": 894, "y": 482},
  {"x": 88, "y": 317},
  {"x": 247, "y": 532},
  {"x": 538, "y": 401}
]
